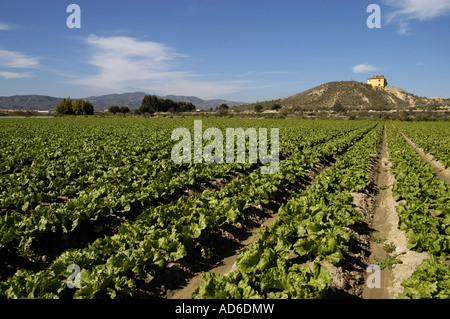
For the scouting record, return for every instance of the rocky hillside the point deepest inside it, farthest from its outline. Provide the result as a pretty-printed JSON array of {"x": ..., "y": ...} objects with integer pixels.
[
  {"x": 416, "y": 101},
  {"x": 352, "y": 95}
]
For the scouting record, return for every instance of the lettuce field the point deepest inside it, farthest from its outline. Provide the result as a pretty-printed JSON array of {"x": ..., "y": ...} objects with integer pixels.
[{"x": 96, "y": 208}]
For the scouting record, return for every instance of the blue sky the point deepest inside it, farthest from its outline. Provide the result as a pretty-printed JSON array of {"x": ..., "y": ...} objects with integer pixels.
[{"x": 246, "y": 50}]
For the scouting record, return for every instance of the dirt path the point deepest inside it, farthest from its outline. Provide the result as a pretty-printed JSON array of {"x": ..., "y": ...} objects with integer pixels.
[
  {"x": 385, "y": 225},
  {"x": 225, "y": 266}
]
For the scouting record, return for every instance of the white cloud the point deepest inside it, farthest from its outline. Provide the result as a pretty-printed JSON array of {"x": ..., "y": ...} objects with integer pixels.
[
  {"x": 8, "y": 27},
  {"x": 125, "y": 63},
  {"x": 364, "y": 68},
  {"x": 15, "y": 75},
  {"x": 422, "y": 10},
  {"x": 5, "y": 27},
  {"x": 13, "y": 59}
]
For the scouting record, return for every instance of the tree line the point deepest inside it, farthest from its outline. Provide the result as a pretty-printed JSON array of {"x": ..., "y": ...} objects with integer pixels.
[
  {"x": 119, "y": 109},
  {"x": 152, "y": 104},
  {"x": 77, "y": 107}
]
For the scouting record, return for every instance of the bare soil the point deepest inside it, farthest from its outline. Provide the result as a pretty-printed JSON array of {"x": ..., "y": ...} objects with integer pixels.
[{"x": 385, "y": 225}]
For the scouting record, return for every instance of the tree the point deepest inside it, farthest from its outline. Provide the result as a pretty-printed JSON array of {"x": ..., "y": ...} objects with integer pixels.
[
  {"x": 258, "y": 108},
  {"x": 125, "y": 109},
  {"x": 222, "y": 110},
  {"x": 83, "y": 107},
  {"x": 64, "y": 107},
  {"x": 183, "y": 106},
  {"x": 77, "y": 107},
  {"x": 114, "y": 109},
  {"x": 338, "y": 107},
  {"x": 276, "y": 106},
  {"x": 151, "y": 104},
  {"x": 88, "y": 108}
]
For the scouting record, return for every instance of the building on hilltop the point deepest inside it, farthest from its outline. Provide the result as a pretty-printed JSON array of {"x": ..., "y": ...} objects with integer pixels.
[{"x": 377, "y": 81}]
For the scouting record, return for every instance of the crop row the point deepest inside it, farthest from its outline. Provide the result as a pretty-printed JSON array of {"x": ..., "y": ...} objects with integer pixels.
[
  {"x": 314, "y": 225},
  {"x": 423, "y": 211},
  {"x": 432, "y": 137},
  {"x": 424, "y": 214}
]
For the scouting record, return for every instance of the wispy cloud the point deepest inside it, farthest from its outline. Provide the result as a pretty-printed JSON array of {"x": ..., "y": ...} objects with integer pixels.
[
  {"x": 364, "y": 68},
  {"x": 124, "y": 63},
  {"x": 16, "y": 60},
  {"x": 15, "y": 75},
  {"x": 5, "y": 27},
  {"x": 408, "y": 10},
  {"x": 13, "y": 59}
]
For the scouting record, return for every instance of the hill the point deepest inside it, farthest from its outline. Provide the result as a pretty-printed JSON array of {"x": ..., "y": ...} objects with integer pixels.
[
  {"x": 352, "y": 95},
  {"x": 29, "y": 102},
  {"x": 199, "y": 103},
  {"x": 132, "y": 100}
]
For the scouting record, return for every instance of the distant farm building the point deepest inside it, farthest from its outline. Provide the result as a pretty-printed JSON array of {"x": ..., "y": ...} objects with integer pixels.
[{"x": 377, "y": 81}]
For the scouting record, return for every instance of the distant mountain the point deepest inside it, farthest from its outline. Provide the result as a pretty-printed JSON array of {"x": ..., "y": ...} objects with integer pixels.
[
  {"x": 29, "y": 102},
  {"x": 352, "y": 95},
  {"x": 348, "y": 95},
  {"x": 132, "y": 100},
  {"x": 199, "y": 103}
]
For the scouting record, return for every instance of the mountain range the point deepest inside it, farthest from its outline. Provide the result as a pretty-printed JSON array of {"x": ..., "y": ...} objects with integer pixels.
[
  {"x": 339, "y": 95},
  {"x": 132, "y": 100}
]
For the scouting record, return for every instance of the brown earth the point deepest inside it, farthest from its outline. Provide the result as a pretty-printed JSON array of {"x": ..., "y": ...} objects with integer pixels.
[{"x": 385, "y": 224}]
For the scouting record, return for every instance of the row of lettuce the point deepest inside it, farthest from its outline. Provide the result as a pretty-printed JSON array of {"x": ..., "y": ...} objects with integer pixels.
[
  {"x": 432, "y": 137},
  {"x": 114, "y": 265},
  {"x": 424, "y": 215},
  {"x": 313, "y": 224}
]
